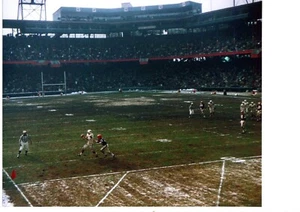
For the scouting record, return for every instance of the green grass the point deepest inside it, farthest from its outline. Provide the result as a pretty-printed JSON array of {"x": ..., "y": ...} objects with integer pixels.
[{"x": 132, "y": 132}]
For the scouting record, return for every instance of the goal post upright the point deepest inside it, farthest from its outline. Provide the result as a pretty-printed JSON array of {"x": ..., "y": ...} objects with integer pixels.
[
  {"x": 42, "y": 79},
  {"x": 65, "y": 81}
]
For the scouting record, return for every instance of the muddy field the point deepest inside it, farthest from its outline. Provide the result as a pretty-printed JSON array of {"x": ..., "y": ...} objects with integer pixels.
[
  {"x": 163, "y": 156},
  {"x": 229, "y": 181}
]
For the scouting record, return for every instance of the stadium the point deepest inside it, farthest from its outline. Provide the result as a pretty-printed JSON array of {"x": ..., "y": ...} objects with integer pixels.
[{"x": 132, "y": 74}]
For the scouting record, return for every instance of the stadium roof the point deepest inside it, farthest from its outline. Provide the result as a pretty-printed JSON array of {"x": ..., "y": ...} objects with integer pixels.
[
  {"x": 242, "y": 12},
  {"x": 155, "y": 8}
]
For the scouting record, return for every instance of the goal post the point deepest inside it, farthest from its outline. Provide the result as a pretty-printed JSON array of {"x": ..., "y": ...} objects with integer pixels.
[{"x": 64, "y": 84}]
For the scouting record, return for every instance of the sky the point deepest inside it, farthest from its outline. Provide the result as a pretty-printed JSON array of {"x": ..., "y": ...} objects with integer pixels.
[{"x": 10, "y": 7}]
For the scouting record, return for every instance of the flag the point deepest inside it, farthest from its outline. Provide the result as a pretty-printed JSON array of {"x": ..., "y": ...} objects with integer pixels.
[{"x": 13, "y": 174}]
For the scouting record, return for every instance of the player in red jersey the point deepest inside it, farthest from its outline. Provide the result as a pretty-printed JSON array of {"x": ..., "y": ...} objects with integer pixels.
[
  {"x": 202, "y": 108},
  {"x": 105, "y": 148}
]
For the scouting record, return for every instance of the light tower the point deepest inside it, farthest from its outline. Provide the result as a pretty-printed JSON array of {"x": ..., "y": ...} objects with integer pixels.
[
  {"x": 236, "y": 2},
  {"x": 32, "y": 10}
]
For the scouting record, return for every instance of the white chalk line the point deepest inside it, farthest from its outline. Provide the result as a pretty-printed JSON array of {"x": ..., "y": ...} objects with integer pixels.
[
  {"x": 221, "y": 183},
  {"x": 17, "y": 187},
  {"x": 130, "y": 171},
  {"x": 136, "y": 170},
  {"x": 111, "y": 190},
  {"x": 147, "y": 169}
]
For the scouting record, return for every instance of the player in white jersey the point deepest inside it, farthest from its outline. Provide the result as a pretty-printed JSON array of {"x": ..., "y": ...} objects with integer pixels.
[
  {"x": 24, "y": 143},
  {"x": 242, "y": 107},
  {"x": 246, "y": 104},
  {"x": 211, "y": 108},
  {"x": 191, "y": 110},
  {"x": 89, "y": 137},
  {"x": 243, "y": 122},
  {"x": 252, "y": 110}
]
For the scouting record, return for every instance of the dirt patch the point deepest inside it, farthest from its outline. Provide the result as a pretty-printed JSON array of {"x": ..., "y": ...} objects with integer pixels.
[
  {"x": 133, "y": 101},
  {"x": 184, "y": 185},
  {"x": 84, "y": 191},
  {"x": 139, "y": 101}
]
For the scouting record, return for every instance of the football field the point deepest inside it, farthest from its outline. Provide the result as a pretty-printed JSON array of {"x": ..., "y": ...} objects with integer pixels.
[{"x": 163, "y": 156}]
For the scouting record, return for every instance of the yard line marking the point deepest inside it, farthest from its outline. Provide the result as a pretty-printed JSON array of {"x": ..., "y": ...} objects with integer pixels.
[
  {"x": 113, "y": 188},
  {"x": 130, "y": 171},
  {"x": 221, "y": 183},
  {"x": 137, "y": 170},
  {"x": 174, "y": 166},
  {"x": 17, "y": 187}
]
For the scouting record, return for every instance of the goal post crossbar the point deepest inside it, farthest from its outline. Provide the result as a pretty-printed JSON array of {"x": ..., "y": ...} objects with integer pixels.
[{"x": 54, "y": 84}]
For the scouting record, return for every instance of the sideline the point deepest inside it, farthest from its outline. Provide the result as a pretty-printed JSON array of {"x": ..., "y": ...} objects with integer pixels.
[{"x": 29, "y": 203}]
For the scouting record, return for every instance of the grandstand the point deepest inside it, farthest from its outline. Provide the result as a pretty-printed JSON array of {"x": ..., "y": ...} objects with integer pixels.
[{"x": 158, "y": 36}]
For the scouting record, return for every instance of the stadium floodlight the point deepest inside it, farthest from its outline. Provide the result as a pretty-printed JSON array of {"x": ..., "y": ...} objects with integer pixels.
[{"x": 32, "y": 10}]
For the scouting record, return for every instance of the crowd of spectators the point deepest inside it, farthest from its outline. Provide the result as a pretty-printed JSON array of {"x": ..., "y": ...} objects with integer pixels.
[
  {"x": 23, "y": 48},
  {"x": 212, "y": 72},
  {"x": 209, "y": 74}
]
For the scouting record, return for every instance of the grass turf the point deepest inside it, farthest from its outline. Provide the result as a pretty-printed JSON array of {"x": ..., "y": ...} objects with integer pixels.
[{"x": 143, "y": 129}]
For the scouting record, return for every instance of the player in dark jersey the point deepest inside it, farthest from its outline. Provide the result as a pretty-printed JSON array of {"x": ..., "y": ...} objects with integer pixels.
[
  {"x": 252, "y": 110},
  {"x": 105, "y": 148},
  {"x": 258, "y": 111},
  {"x": 202, "y": 108}
]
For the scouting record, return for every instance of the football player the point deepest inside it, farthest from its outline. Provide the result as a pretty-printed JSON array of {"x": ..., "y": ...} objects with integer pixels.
[
  {"x": 23, "y": 143},
  {"x": 252, "y": 110},
  {"x": 258, "y": 111},
  {"x": 242, "y": 107},
  {"x": 191, "y": 109},
  {"x": 246, "y": 104},
  {"x": 89, "y": 137},
  {"x": 202, "y": 107},
  {"x": 243, "y": 121},
  {"x": 211, "y": 108},
  {"x": 105, "y": 148}
]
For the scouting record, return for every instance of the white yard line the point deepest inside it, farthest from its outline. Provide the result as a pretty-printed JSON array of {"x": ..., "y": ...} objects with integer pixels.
[
  {"x": 29, "y": 203},
  {"x": 113, "y": 188},
  {"x": 137, "y": 170},
  {"x": 221, "y": 183},
  {"x": 130, "y": 171},
  {"x": 174, "y": 166}
]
